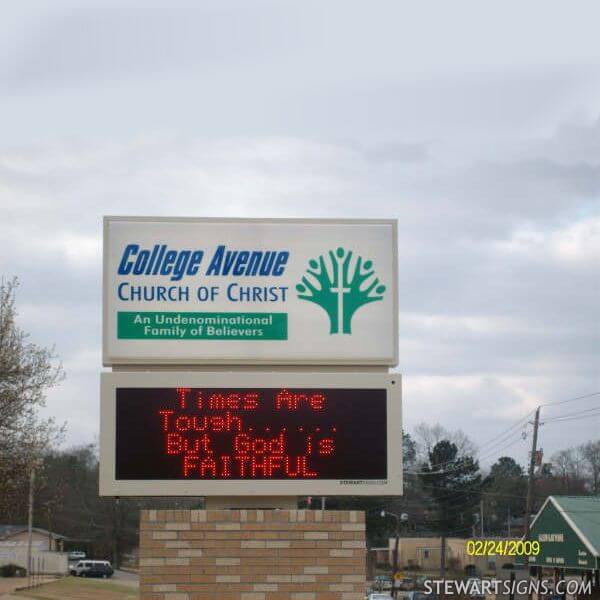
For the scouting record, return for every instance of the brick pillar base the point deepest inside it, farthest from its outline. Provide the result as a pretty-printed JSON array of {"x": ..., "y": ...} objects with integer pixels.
[{"x": 252, "y": 555}]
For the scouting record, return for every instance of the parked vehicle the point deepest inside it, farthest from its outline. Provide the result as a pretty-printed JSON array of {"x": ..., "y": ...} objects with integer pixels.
[
  {"x": 476, "y": 586},
  {"x": 379, "y": 596},
  {"x": 92, "y": 568},
  {"x": 12, "y": 570},
  {"x": 420, "y": 596},
  {"x": 382, "y": 582},
  {"x": 406, "y": 583}
]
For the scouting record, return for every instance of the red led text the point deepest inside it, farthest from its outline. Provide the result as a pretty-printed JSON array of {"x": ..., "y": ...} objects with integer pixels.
[{"x": 216, "y": 435}]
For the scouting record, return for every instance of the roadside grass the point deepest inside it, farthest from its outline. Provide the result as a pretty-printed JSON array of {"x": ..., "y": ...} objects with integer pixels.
[{"x": 72, "y": 588}]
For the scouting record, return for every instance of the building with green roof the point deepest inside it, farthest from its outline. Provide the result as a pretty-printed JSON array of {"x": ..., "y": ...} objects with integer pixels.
[{"x": 568, "y": 530}]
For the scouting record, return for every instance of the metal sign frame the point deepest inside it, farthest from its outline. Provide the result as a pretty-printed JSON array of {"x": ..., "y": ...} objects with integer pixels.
[
  {"x": 111, "y": 358},
  {"x": 110, "y": 486}
]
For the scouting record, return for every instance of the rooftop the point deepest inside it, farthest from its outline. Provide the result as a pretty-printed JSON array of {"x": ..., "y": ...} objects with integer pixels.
[
  {"x": 7, "y": 531},
  {"x": 583, "y": 514}
]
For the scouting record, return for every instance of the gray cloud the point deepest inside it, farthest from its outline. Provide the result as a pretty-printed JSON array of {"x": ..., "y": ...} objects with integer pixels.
[
  {"x": 394, "y": 152},
  {"x": 81, "y": 44},
  {"x": 478, "y": 312},
  {"x": 483, "y": 149}
]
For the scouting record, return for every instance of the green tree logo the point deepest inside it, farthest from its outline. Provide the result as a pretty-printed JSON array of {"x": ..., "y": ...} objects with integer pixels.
[{"x": 337, "y": 291}]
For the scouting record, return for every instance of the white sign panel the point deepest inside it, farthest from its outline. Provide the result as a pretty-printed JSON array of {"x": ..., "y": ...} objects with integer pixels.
[
  {"x": 185, "y": 291},
  {"x": 265, "y": 434}
]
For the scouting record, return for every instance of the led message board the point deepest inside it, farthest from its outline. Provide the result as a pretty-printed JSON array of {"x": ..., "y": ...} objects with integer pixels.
[
  {"x": 250, "y": 433},
  {"x": 249, "y": 291}
]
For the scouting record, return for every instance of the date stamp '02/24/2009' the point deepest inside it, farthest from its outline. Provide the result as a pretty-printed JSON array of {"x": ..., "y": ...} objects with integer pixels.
[{"x": 503, "y": 548}]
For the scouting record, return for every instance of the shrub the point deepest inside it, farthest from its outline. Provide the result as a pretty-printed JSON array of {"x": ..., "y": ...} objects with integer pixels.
[{"x": 11, "y": 570}]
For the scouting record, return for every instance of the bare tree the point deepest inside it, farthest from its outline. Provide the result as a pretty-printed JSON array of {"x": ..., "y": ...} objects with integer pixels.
[
  {"x": 568, "y": 466},
  {"x": 427, "y": 436},
  {"x": 562, "y": 462},
  {"x": 591, "y": 456},
  {"x": 26, "y": 372},
  {"x": 578, "y": 463}
]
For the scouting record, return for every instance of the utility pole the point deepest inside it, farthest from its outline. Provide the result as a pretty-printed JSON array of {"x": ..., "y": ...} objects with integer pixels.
[
  {"x": 117, "y": 533},
  {"x": 396, "y": 543},
  {"x": 30, "y": 521},
  {"x": 481, "y": 516},
  {"x": 443, "y": 555},
  {"x": 403, "y": 518},
  {"x": 528, "y": 507}
]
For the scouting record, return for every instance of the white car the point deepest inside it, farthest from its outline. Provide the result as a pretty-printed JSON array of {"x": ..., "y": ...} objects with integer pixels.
[
  {"x": 416, "y": 595},
  {"x": 379, "y": 596}
]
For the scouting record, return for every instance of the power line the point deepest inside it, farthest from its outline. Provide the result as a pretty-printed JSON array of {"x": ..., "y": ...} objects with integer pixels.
[
  {"x": 506, "y": 434},
  {"x": 573, "y": 414},
  {"x": 521, "y": 496},
  {"x": 442, "y": 467},
  {"x": 571, "y": 399},
  {"x": 571, "y": 419},
  {"x": 501, "y": 438},
  {"x": 512, "y": 443},
  {"x": 495, "y": 447},
  {"x": 482, "y": 484},
  {"x": 516, "y": 425}
]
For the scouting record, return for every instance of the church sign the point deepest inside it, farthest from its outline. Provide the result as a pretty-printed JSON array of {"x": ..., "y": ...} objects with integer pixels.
[{"x": 232, "y": 291}]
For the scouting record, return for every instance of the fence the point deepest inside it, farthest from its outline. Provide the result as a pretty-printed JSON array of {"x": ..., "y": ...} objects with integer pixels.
[{"x": 43, "y": 563}]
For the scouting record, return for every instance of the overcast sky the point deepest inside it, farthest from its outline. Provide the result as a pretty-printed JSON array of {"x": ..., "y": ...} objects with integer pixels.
[{"x": 475, "y": 124}]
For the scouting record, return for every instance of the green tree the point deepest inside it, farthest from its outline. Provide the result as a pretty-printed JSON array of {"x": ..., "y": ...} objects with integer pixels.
[
  {"x": 506, "y": 467},
  {"x": 67, "y": 502},
  {"x": 409, "y": 451},
  {"x": 454, "y": 484},
  {"x": 504, "y": 497},
  {"x": 380, "y": 529}
]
